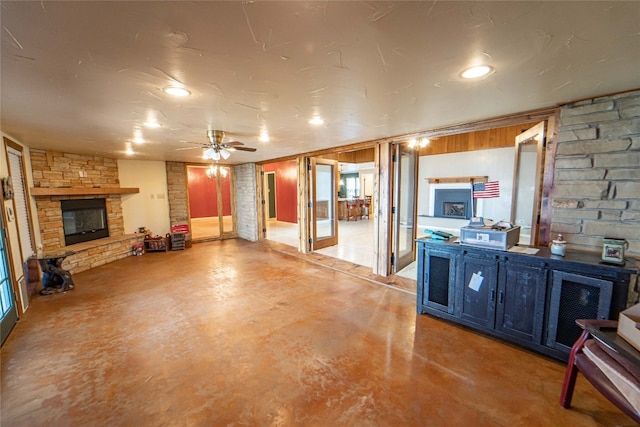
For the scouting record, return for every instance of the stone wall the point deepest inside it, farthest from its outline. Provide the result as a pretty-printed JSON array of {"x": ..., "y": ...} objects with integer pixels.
[
  {"x": 246, "y": 209},
  {"x": 597, "y": 172},
  {"x": 177, "y": 190},
  {"x": 55, "y": 170}
]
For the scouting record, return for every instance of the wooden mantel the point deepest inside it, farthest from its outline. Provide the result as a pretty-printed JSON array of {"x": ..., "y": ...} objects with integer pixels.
[
  {"x": 80, "y": 191},
  {"x": 457, "y": 179}
]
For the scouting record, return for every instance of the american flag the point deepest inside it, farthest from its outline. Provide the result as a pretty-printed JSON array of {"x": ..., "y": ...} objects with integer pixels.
[{"x": 486, "y": 190}]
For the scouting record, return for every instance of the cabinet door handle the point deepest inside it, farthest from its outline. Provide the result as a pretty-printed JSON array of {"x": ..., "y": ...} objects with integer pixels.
[
  {"x": 501, "y": 297},
  {"x": 493, "y": 295}
]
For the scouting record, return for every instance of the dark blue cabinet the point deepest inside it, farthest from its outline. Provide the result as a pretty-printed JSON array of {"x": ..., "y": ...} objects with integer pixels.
[{"x": 529, "y": 300}]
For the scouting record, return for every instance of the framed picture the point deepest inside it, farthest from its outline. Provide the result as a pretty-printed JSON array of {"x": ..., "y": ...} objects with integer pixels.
[
  {"x": 613, "y": 250},
  {"x": 7, "y": 188}
]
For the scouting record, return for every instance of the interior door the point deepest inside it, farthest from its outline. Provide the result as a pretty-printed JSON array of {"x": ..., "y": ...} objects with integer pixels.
[
  {"x": 527, "y": 183},
  {"x": 324, "y": 203},
  {"x": 403, "y": 211},
  {"x": 8, "y": 310}
]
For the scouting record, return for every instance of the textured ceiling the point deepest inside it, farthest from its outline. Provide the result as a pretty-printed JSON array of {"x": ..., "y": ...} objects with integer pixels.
[{"x": 84, "y": 76}]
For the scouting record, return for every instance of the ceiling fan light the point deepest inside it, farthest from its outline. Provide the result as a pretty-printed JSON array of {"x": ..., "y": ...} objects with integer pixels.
[
  {"x": 209, "y": 153},
  {"x": 225, "y": 154},
  {"x": 215, "y": 156}
]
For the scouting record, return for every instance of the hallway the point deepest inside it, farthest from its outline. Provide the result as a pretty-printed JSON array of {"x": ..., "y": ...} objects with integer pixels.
[{"x": 236, "y": 333}]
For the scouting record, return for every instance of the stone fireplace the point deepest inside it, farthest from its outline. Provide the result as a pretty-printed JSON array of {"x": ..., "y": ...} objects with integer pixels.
[{"x": 79, "y": 180}]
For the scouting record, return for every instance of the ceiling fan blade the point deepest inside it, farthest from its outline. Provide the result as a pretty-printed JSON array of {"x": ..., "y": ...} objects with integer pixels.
[
  {"x": 242, "y": 149},
  {"x": 191, "y": 148},
  {"x": 231, "y": 144}
]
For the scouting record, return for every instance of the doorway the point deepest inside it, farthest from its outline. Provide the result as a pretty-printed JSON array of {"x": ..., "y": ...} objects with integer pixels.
[
  {"x": 280, "y": 202},
  {"x": 211, "y": 202},
  {"x": 270, "y": 186}
]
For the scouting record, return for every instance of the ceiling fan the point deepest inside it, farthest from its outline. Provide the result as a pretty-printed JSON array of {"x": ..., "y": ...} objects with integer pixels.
[{"x": 217, "y": 149}]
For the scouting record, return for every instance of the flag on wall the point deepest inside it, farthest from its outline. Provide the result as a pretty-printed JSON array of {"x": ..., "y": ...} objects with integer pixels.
[{"x": 486, "y": 190}]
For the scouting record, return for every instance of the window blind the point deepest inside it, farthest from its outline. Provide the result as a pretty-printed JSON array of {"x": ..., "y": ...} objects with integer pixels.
[{"x": 20, "y": 202}]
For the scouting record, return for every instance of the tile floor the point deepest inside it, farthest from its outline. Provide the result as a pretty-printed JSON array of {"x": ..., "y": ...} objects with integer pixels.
[{"x": 355, "y": 241}]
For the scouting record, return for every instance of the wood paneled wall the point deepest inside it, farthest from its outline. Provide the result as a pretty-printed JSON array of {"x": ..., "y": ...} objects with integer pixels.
[
  {"x": 358, "y": 156},
  {"x": 478, "y": 140}
]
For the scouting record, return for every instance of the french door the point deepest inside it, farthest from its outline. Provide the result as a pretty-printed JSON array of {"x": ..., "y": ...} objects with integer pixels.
[
  {"x": 211, "y": 201},
  {"x": 8, "y": 310},
  {"x": 403, "y": 211},
  {"x": 324, "y": 201}
]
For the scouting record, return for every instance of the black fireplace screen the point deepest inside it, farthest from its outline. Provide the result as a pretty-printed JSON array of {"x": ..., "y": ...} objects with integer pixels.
[
  {"x": 84, "y": 220},
  {"x": 453, "y": 203}
]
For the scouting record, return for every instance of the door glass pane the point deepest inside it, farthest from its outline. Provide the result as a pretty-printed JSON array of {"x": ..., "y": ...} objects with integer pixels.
[
  {"x": 324, "y": 201},
  {"x": 406, "y": 203},
  {"x": 225, "y": 191},
  {"x": 8, "y": 312},
  {"x": 405, "y": 208}
]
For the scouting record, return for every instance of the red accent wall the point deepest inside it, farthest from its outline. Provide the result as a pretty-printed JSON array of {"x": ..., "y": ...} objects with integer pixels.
[
  {"x": 203, "y": 194},
  {"x": 286, "y": 190}
]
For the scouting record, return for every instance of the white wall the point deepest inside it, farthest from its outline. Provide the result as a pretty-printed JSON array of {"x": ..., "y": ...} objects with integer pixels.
[
  {"x": 366, "y": 182},
  {"x": 150, "y": 207},
  {"x": 495, "y": 163}
]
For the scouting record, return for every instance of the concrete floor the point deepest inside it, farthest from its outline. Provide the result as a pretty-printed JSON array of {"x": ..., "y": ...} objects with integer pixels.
[{"x": 238, "y": 333}]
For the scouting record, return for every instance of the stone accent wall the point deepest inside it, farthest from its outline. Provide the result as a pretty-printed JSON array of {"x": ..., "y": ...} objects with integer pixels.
[
  {"x": 53, "y": 169},
  {"x": 91, "y": 254},
  {"x": 177, "y": 189},
  {"x": 246, "y": 195},
  {"x": 597, "y": 172}
]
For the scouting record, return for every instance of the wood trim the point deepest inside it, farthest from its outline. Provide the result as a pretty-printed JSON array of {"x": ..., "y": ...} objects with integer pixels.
[
  {"x": 79, "y": 191},
  {"x": 546, "y": 205},
  {"x": 457, "y": 179}
]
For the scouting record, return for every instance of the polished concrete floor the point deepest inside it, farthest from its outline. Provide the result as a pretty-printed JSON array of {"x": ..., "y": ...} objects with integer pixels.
[{"x": 238, "y": 333}]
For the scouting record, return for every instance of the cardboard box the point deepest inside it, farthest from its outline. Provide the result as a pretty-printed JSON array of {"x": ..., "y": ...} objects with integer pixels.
[
  {"x": 629, "y": 325},
  {"x": 487, "y": 237}
]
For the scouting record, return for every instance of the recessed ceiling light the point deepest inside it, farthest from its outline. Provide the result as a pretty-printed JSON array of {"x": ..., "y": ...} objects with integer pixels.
[
  {"x": 176, "y": 91},
  {"x": 316, "y": 121},
  {"x": 264, "y": 136},
  {"x": 477, "y": 71},
  {"x": 152, "y": 124},
  {"x": 128, "y": 150}
]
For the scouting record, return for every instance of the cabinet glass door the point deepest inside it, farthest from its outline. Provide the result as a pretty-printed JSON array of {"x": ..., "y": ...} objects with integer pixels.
[
  {"x": 438, "y": 280},
  {"x": 575, "y": 297}
]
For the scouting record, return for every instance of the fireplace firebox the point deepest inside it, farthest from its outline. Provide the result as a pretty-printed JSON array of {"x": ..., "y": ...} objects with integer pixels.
[
  {"x": 84, "y": 220},
  {"x": 453, "y": 203}
]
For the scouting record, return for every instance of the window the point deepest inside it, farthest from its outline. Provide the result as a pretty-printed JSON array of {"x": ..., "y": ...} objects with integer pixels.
[{"x": 353, "y": 187}]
